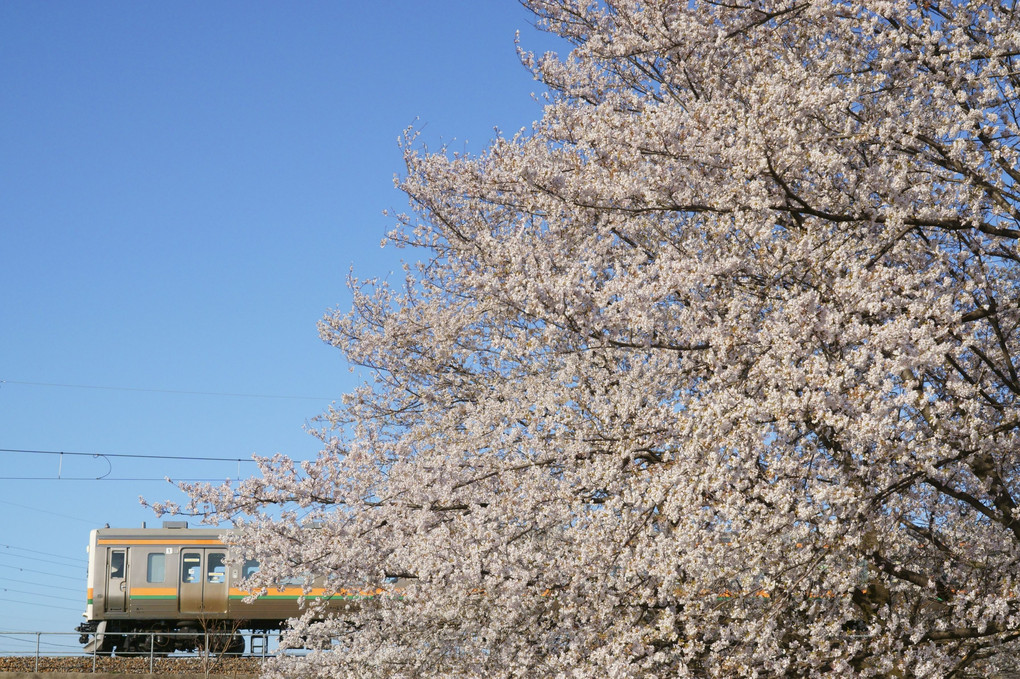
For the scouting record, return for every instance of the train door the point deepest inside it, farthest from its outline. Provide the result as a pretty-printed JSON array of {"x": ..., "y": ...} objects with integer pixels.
[
  {"x": 116, "y": 579},
  {"x": 203, "y": 581}
]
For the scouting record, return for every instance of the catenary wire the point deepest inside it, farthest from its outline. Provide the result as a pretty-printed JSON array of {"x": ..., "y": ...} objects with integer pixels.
[
  {"x": 46, "y": 511},
  {"x": 44, "y": 596},
  {"x": 93, "y": 478},
  {"x": 43, "y": 584},
  {"x": 36, "y": 551},
  {"x": 35, "y": 603},
  {"x": 35, "y": 572},
  {"x": 190, "y": 458},
  {"x": 35, "y": 559}
]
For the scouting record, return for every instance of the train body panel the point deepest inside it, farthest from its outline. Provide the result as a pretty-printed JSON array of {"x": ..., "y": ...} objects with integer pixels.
[{"x": 177, "y": 580}]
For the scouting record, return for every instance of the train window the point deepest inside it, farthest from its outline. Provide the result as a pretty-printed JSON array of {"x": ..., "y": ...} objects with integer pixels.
[
  {"x": 191, "y": 567},
  {"x": 216, "y": 568},
  {"x": 155, "y": 567},
  {"x": 250, "y": 568},
  {"x": 117, "y": 565}
]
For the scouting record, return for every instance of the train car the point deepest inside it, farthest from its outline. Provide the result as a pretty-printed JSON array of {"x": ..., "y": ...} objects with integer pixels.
[{"x": 173, "y": 589}]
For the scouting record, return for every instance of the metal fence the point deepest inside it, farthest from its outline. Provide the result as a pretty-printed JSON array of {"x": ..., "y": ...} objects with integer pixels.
[{"x": 32, "y": 651}]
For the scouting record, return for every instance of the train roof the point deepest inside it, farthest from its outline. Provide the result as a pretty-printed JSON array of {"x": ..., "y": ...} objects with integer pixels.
[{"x": 175, "y": 533}]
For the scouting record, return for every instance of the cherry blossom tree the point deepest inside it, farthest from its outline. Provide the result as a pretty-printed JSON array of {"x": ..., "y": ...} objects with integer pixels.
[{"x": 711, "y": 372}]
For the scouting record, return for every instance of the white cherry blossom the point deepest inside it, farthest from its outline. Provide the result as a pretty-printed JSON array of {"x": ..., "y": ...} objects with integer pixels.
[{"x": 711, "y": 372}]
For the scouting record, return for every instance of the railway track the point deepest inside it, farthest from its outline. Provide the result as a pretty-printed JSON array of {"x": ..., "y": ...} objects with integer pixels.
[{"x": 229, "y": 665}]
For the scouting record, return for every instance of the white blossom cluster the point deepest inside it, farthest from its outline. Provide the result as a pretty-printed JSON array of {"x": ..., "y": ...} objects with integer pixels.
[{"x": 712, "y": 372}]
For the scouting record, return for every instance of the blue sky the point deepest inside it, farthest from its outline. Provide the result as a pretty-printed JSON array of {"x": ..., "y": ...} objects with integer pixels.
[{"x": 183, "y": 189}]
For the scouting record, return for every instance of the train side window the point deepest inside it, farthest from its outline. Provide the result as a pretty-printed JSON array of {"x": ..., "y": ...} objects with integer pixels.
[
  {"x": 117, "y": 565},
  {"x": 250, "y": 568},
  {"x": 217, "y": 569},
  {"x": 155, "y": 567},
  {"x": 191, "y": 567}
]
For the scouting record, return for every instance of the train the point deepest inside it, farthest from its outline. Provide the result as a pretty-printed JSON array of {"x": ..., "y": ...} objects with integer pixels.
[{"x": 175, "y": 588}]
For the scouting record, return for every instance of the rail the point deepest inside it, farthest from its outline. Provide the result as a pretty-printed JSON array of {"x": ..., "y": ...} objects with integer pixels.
[{"x": 38, "y": 649}]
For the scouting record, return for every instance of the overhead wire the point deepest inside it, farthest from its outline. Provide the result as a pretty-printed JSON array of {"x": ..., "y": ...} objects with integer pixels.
[
  {"x": 45, "y": 596},
  {"x": 35, "y": 603},
  {"x": 32, "y": 570},
  {"x": 137, "y": 456},
  {"x": 103, "y": 478},
  {"x": 51, "y": 513},
  {"x": 37, "y": 559},
  {"x": 36, "y": 551},
  {"x": 59, "y": 476},
  {"x": 47, "y": 585}
]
